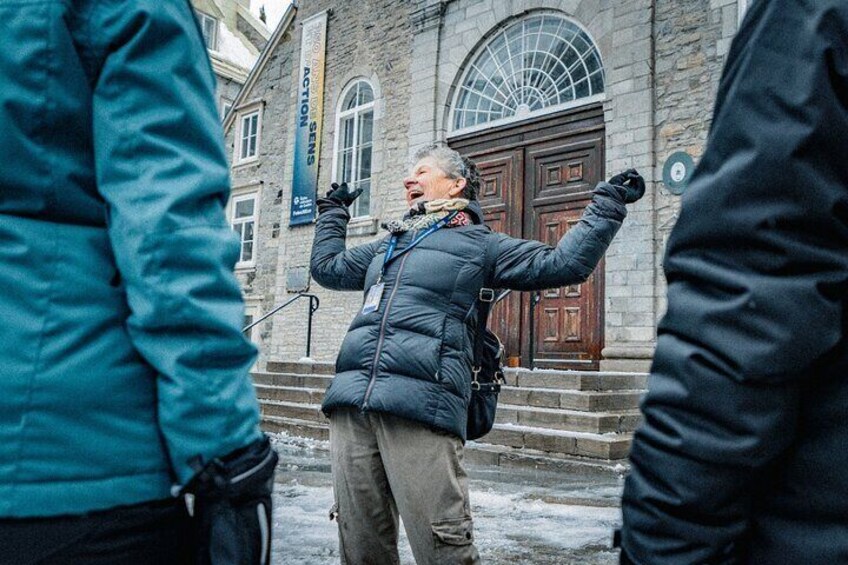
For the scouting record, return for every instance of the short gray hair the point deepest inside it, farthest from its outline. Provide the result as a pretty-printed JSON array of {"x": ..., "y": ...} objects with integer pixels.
[{"x": 455, "y": 166}]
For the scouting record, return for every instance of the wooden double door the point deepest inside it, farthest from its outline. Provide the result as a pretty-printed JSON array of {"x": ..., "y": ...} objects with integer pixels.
[{"x": 537, "y": 178}]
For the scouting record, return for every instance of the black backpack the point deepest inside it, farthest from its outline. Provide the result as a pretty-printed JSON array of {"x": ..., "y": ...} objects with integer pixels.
[{"x": 487, "y": 374}]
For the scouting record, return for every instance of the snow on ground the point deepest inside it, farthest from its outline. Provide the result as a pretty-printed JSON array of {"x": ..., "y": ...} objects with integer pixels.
[{"x": 519, "y": 516}]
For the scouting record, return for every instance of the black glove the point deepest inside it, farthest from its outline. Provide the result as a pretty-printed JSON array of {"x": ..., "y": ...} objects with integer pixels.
[
  {"x": 232, "y": 506},
  {"x": 632, "y": 184},
  {"x": 342, "y": 194}
]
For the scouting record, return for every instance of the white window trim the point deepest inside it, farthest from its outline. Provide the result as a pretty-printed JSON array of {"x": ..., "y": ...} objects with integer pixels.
[
  {"x": 252, "y": 308},
  {"x": 226, "y": 106},
  {"x": 742, "y": 6},
  {"x": 216, "y": 39},
  {"x": 340, "y": 115},
  {"x": 533, "y": 116},
  {"x": 243, "y": 112},
  {"x": 239, "y": 194},
  {"x": 516, "y": 119}
]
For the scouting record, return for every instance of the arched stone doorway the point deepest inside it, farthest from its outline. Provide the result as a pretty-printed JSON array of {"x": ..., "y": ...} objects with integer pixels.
[{"x": 528, "y": 109}]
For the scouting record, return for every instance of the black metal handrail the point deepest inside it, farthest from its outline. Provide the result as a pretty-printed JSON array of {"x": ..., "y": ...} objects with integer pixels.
[{"x": 313, "y": 306}]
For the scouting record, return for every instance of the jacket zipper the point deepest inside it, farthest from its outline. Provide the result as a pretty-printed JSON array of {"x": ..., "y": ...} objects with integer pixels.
[{"x": 382, "y": 335}]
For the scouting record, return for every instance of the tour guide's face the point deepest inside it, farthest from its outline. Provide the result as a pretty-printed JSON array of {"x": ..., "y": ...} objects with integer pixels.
[{"x": 427, "y": 181}]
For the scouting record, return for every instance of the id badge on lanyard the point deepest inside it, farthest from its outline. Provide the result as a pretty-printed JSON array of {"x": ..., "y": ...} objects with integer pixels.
[
  {"x": 372, "y": 300},
  {"x": 375, "y": 293}
]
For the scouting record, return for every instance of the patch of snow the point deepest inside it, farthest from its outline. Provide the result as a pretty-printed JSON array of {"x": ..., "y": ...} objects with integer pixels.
[
  {"x": 232, "y": 49},
  {"x": 283, "y": 439}
]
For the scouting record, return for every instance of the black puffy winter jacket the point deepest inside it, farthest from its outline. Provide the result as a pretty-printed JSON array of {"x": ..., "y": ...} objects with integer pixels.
[
  {"x": 743, "y": 454},
  {"x": 412, "y": 356}
]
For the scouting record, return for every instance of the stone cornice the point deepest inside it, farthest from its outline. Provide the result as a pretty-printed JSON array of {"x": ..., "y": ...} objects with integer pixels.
[
  {"x": 428, "y": 17},
  {"x": 227, "y": 69}
]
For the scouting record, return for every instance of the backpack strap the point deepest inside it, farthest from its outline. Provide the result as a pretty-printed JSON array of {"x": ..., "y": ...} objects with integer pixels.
[{"x": 486, "y": 299}]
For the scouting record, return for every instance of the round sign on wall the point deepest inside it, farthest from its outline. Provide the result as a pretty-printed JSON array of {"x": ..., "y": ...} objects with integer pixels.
[{"x": 677, "y": 171}]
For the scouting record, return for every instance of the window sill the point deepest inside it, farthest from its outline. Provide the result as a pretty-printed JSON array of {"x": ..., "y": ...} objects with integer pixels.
[
  {"x": 363, "y": 226},
  {"x": 245, "y": 268},
  {"x": 246, "y": 162}
]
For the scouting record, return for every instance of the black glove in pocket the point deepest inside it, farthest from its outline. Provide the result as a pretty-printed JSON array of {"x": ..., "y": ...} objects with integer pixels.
[{"x": 232, "y": 506}]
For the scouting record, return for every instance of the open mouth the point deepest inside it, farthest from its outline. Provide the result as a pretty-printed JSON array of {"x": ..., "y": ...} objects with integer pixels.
[{"x": 414, "y": 194}]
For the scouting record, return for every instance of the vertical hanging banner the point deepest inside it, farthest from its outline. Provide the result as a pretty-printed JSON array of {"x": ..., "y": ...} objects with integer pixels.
[{"x": 309, "y": 119}]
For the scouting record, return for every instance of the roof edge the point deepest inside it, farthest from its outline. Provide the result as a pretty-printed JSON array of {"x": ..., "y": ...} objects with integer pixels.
[{"x": 259, "y": 66}]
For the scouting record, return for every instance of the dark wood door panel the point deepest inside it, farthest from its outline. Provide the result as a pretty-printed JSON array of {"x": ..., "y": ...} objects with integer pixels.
[
  {"x": 564, "y": 169},
  {"x": 567, "y": 322},
  {"x": 536, "y": 180},
  {"x": 501, "y": 192},
  {"x": 566, "y": 319}
]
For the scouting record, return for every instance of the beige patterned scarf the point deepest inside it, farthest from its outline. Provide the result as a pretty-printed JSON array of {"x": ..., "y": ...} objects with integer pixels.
[{"x": 425, "y": 214}]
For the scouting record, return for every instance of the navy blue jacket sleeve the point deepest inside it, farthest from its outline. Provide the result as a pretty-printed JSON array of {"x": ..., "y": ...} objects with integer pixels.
[
  {"x": 532, "y": 265},
  {"x": 332, "y": 265},
  {"x": 757, "y": 270}
]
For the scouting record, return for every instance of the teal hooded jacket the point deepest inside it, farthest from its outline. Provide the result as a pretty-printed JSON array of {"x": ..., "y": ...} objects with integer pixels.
[{"x": 121, "y": 355}]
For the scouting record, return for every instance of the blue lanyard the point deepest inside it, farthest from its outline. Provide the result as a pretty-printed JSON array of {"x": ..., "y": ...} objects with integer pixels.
[{"x": 390, "y": 250}]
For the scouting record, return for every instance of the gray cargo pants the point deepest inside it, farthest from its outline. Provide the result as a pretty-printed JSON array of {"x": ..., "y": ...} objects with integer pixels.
[{"x": 384, "y": 466}]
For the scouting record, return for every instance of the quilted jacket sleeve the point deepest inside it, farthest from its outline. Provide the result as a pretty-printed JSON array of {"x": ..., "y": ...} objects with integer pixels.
[
  {"x": 757, "y": 267},
  {"x": 532, "y": 265},
  {"x": 333, "y": 266},
  {"x": 162, "y": 172}
]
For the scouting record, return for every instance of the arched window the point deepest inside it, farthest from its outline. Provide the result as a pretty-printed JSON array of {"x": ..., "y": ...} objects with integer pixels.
[
  {"x": 354, "y": 142},
  {"x": 537, "y": 63}
]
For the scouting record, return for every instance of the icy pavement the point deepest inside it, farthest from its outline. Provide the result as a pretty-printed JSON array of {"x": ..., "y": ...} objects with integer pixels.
[{"x": 520, "y": 516}]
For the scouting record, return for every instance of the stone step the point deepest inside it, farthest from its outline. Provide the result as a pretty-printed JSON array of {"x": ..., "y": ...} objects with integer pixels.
[
  {"x": 292, "y": 379},
  {"x": 576, "y": 380},
  {"x": 595, "y": 446},
  {"x": 525, "y": 458},
  {"x": 292, "y": 410},
  {"x": 571, "y": 399},
  {"x": 296, "y": 428},
  {"x": 291, "y": 416},
  {"x": 301, "y": 367},
  {"x": 572, "y": 420},
  {"x": 530, "y": 378},
  {"x": 587, "y": 401},
  {"x": 302, "y": 395}
]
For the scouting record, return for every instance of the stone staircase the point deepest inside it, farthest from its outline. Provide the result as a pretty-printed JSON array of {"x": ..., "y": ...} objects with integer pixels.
[{"x": 545, "y": 418}]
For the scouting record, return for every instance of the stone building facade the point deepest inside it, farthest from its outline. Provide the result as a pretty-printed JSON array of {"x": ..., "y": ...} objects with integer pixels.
[
  {"x": 234, "y": 38},
  {"x": 660, "y": 63}
]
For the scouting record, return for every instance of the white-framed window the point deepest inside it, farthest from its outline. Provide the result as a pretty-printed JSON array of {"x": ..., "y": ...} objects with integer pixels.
[
  {"x": 244, "y": 212},
  {"x": 354, "y": 143},
  {"x": 248, "y": 133},
  {"x": 209, "y": 27},
  {"x": 251, "y": 314},
  {"x": 538, "y": 64},
  {"x": 226, "y": 104}
]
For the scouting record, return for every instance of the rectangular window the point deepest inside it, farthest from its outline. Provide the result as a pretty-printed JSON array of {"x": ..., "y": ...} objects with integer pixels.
[
  {"x": 251, "y": 314},
  {"x": 353, "y": 160},
  {"x": 209, "y": 27},
  {"x": 244, "y": 224},
  {"x": 226, "y": 104},
  {"x": 249, "y": 138}
]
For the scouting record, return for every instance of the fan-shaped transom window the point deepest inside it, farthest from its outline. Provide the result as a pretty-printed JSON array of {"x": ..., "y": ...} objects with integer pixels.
[{"x": 536, "y": 63}]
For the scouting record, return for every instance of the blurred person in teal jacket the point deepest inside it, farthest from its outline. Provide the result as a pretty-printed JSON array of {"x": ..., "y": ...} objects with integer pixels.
[{"x": 123, "y": 370}]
